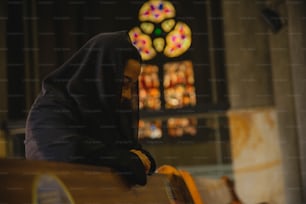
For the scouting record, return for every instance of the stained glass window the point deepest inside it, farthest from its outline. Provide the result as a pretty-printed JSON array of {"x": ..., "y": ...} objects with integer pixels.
[
  {"x": 178, "y": 127},
  {"x": 156, "y": 11},
  {"x": 150, "y": 129},
  {"x": 149, "y": 90},
  {"x": 178, "y": 84},
  {"x": 159, "y": 35},
  {"x": 178, "y": 41},
  {"x": 143, "y": 43},
  {"x": 147, "y": 28},
  {"x": 167, "y": 25},
  {"x": 159, "y": 32}
]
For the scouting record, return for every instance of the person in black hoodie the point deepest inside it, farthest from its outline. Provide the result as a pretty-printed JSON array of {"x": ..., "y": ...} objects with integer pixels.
[{"x": 87, "y": 111}]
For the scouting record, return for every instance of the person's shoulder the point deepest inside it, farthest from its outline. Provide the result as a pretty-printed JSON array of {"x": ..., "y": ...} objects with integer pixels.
[{"x": 109, "y": 37}]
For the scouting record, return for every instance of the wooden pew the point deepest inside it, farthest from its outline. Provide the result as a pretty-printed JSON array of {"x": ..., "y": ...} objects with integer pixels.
[{"x": 42, "y": 182}]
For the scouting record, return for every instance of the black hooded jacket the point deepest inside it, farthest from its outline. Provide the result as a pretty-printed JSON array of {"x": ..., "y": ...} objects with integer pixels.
[{"x": 79, "y": 117}]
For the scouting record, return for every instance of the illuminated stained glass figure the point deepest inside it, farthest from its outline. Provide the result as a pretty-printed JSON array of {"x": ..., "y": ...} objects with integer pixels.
[{"x": 159, "y": 32}]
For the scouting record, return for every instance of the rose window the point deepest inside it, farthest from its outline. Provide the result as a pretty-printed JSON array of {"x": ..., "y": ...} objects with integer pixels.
[{"x": 159, "y": 32}]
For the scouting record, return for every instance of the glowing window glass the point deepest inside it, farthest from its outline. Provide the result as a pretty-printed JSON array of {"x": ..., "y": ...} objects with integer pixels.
[
  {"x": 158, "y": 25},
  {"x": 178, "y": 40},
  {"x": 159, "y": 44},
  {"x": 156, "y": 11},
  {"x": 150, "y": 129},
  {"x": 178, "y": 127},
  {"x": 178, "y": 84},
  {"x": 168, "y": 25},
  {"x": 149, "y": 93},
  {"x": 143, "y": 43},
  {"x": 147, "y": 27}
]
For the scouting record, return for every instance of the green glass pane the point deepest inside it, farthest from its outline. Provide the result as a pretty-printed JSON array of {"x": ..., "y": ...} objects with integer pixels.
[{"x": 157, "y": 31}]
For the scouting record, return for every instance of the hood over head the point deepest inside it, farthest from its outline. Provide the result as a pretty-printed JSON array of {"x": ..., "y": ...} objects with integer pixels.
[{"x": 93, "y": 78}]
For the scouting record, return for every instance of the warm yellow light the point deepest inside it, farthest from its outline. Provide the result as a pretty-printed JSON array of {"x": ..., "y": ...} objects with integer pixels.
[
  {"x": 171, "y": 38},
  {"x": 156, "y": 11},
  {"x": 147, "y": 27},
  {"x": 159, "y": 44},
  {"x": 178, "y": 41},
  {"x": 168, "y": 25},
  {"x": 143, "y": 43}
]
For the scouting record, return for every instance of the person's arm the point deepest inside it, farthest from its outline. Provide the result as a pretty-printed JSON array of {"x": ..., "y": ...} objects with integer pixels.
[
  {"x": 51, "y": 132},
  {"x": 133, "y": 164}
]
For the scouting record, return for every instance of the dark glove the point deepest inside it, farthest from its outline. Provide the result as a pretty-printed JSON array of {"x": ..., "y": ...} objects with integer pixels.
[
  {"x": 134, "y": 165},
  {"x": 147, "y": 160},
  {"x": 130, "y": 165}
]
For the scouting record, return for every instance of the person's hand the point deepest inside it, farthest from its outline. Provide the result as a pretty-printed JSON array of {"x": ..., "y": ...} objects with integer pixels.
[
  {"x": 134, "y": 165},
  {"x": 147, "y": 160}
]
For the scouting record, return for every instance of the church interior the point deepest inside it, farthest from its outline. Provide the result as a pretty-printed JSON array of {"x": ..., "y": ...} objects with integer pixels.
[{"x": 221, "y": 98}]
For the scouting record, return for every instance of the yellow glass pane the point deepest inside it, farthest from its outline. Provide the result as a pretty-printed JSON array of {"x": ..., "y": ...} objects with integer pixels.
[
  {"x": 143, "y": 43},
  {"x": 178, "y": 127},
  {"x": 159, "y": 44},
  {"x": 147, "y": 27},
  {"x": 156, "y": 11},
  {"x": 168, "y": 25},
  {"x": 178, "y": 41}
]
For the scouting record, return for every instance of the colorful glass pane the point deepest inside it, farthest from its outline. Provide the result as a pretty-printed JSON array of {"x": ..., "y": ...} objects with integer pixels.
[
  {"x": 158, "y": 25},
  {"x": 149, "y": 129},
  {"x": 143, "y": 43},
  {"x": 178, "y": 41},
  {"x": 159, "y": 44},
  {"x": 178, "y": 127},
  {"x": 178, "y": 84},
  {"x": 147, "y": 27},
  {"x": 149, "y": 93},
  {"x": 168, "y": 25},
  {"x": 156, "y": 11}
]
